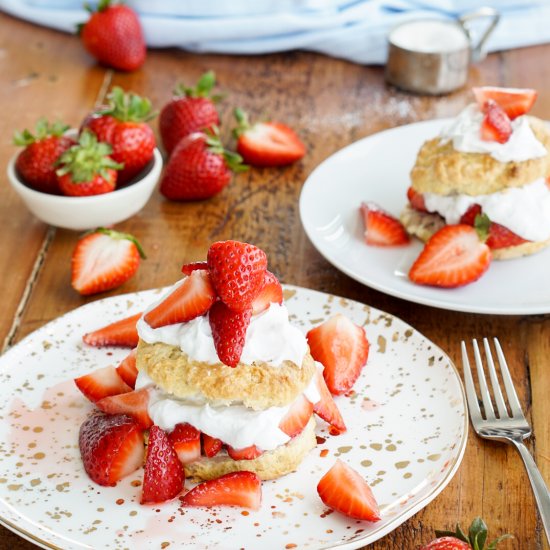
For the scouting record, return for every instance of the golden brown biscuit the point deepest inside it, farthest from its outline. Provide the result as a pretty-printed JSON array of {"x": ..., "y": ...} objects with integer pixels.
[
  {"x": 442, "y": 170},
  {"x": 258, "y": 386}
]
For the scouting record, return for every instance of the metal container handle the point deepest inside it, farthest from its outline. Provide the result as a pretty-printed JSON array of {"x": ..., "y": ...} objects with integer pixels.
[{"x": 478, "y": 53}]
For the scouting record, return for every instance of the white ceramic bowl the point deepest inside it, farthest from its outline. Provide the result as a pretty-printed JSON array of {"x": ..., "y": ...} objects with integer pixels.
[{"x": 81, "y": 213}]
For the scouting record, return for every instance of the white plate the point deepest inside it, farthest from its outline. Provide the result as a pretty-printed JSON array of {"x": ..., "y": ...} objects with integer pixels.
[
  {"x": 407, "y": 429},
  {"x": 377, "y": 168}
]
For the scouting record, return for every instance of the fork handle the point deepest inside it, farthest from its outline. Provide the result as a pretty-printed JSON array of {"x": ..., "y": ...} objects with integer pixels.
[{"x": 542, "y": 496}]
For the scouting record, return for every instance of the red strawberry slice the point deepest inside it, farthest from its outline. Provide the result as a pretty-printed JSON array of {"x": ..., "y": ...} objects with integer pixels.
[
  {"x": 133, "y": 403},
  {"x": 101, "y": 383},
  {"x": 237, "y": 271},
  {"x": 297, "y": 417},
  {"x": 241, "y": 489},
  {"x": 229, "y": 332},
  {"x": 381, "y": 228},
  {"x": 447, "y": 543},
  {"x": 247, "y": 453},
  {"x": 192, "y": 298},
  {"x": 164, "y": 475},
  {"x": 103, "y": 260},
  {"x": 416, "y": 200},
  {"x": 271, "y": 293},
  {"x": 186, "y": 441},
  {"x": 111, "y": 447},
  {"x": 211, "y": 445},
  {"x": 127, "y": 369},
  {"x": 514, "y": 101},
  {"x": 454, "y": 256},
  {"x": 326, "y": 408},
  {"x": 496, "y": 124},
  {"x": 342, "y": 348},
  {"x": 121, "y": 333},
  {"x": 187, "y": 269},
  {"x": 345, "y": 491}
]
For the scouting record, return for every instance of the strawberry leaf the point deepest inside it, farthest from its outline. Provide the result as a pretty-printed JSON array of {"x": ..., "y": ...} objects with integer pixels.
[
  {"x": 482, "y": 225},
  {"x": 127, "y": 106},
  {"x": 493, "y": 544},
  {"x": 203, "y": 88},
  {"x": 42, "y": 130}
]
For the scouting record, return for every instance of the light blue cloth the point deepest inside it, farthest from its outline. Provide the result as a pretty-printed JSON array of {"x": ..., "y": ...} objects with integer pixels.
[{"x": 351, "y": 29}]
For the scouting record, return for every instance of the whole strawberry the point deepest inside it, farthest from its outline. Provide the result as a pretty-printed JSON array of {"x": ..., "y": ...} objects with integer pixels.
[
  {"x": 86, "y": 168},
  {"x": 113, "y": 35},
  {"x": 190, "y": 110},
  {"x": 36, "y": 163},
  {"x": 199, "y": 168},
  {"x": 123, "y": 124}
]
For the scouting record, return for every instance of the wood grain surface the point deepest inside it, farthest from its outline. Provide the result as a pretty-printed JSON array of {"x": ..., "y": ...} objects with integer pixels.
[{"x": 330, "y": 103}]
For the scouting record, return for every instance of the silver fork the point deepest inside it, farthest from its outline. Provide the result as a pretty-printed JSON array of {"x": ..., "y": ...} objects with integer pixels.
[{"x": 512, "y": 428}]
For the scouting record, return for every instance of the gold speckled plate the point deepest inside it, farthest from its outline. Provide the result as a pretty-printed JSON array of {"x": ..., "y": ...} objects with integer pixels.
[{"x": 407, "y": 429}]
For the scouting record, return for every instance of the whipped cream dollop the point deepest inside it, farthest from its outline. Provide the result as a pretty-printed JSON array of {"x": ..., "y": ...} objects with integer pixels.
[
  {"x": 465, "y": 133},
  {"x": 269, "y": 338},
  {"x": 524, "y": 210}
]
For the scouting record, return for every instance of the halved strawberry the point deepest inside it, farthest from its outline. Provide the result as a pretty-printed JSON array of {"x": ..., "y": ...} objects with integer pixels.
[
  {"x": 211, "y": 446},
  {"x": 514, "y": 101},
  {"x": 111, "y": 447},
  {"x": 164, "y": 475},
  {"x": 187, "y": 269},
  {"x": 416, "y": 200},
  {"x": 192, "y": 298},
  {"x": 121, "y": 333},
  {"x": 342, "y": 348},
  {"x": 235, "y": 489},
  {"x": 454, "y": 256},
  {"x": 326, "y": 408},
  {"x": 381, "y": 228},
  {"x": 101, "y": 383},
  {"x": 297, "y": 417},
  {"x": 186, "y": 441},
  {"x": 345, "y": 491},
  {"x": 246, "y": 453},
  {"x": 271, "y": 293},
  {"x": 496, "y": 125},
  {"x": 127, "y": 369},
  {"x": 134, "y": 403}
]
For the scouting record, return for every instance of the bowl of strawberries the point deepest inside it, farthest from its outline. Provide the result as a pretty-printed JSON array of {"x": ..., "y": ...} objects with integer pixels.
[{"x": 99, "y": 175}]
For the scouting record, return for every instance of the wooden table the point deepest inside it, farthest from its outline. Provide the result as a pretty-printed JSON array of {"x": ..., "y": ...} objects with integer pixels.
[{"x": 331, "y": 103}]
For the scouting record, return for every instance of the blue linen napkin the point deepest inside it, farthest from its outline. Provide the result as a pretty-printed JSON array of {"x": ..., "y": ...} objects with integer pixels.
[{"x": 351, "y": 29}]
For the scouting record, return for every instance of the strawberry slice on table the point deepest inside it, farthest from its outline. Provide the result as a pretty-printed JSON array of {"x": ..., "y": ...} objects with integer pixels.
[
  {"x": 271, "y": 293},
  {"x": 192, "y": 298},
  {"x": 164, "y": 475},
  {"x": 127, "y": 369},
  {"x": 186, "y": 441},
  {"x": 454, "y": 256},
  {"x": 121, "y": 333},
  {"x": 111, "y": 447},
  {"x": 241, "y": 489},
  {"x": 297, "y": 417},
  {"x": 237, "y": 271},
  {"x": 326, "y": 407},
  {"x": 495, "y": 125},
  {"x": 211, "y": 446},
  {"x": 416, "y": 200},
  {"x": 104, "y": 259},
  {"x": 133, "y": 403},
  {"x": 342, "y": 348},
  {"x": 514, "y": 101},
  {"x": 101, "y": 383},
  {"x": 381, "y": 228},
  {"x": 187, "y": 269},
  {"x": 229, "y": 332},
  {"x": 246, "y": 453},
  {"x": 267, "y": 143},
  {"x": 345, "y": 491}
]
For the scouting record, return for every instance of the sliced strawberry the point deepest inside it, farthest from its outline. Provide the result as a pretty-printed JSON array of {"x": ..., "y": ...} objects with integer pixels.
[
  {"x": 454, "y": 256},
  {"x": 192, "y": 298},
  {"x": 382, "y": 229},
  {"x": 187, "y": 269},
  {"x": 247, "y": 453},
  {"x": 133, "y": 403},
  {"x": 211, "y": 445},
  {"x": 514, "y": 101},
  {"x": 271, "y": 293},
  {"x": 345, "y": 491},
  {"x": 127, "y": 369},
  {"x": 469, "y": 217},
  {"x": 326, "y": 408},
  {"x": 342, "y": 348},
  {"x": 242, "y": 489},
  {"x": 101, "y": 383},
  {"x": 237, "y": 271},
  {"x": 496, "y": 125},
  {"x": 186, "y": 441},
  {"x": 297, "y": 417},
  {"x": 229, "y": 332},
  {"x": 416, "y": 200},
  {"x": 164, "y": 475},
  {"x": 121, "y": 333},
  {"x": 111, "y": 447}
]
